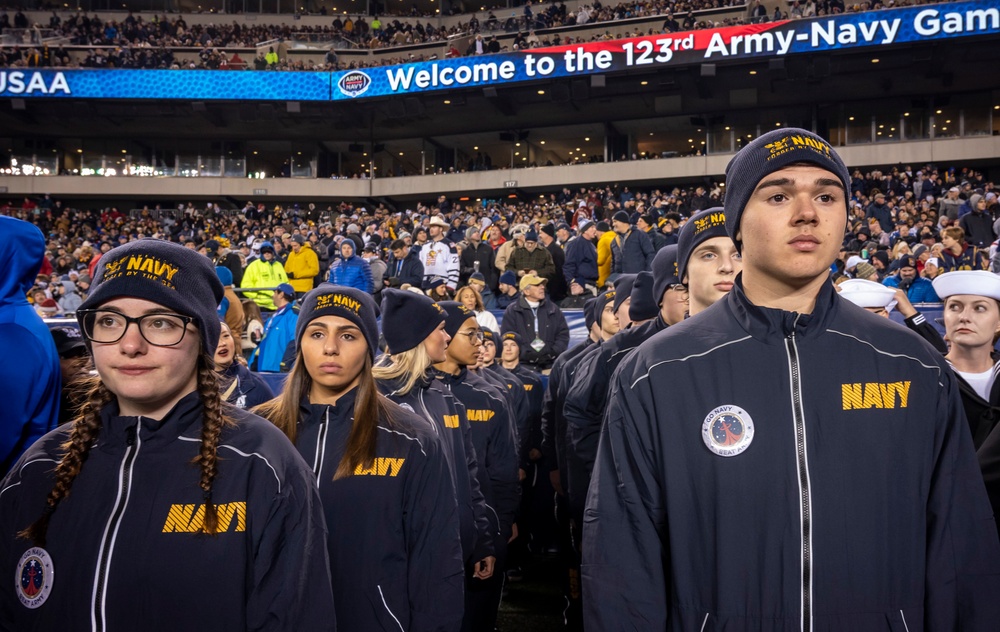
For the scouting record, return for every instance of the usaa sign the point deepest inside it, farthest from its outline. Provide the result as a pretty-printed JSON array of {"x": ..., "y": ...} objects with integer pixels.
[{"x": 19, "y": 82}]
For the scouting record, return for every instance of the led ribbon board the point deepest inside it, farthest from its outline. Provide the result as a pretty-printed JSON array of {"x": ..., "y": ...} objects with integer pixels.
[{"x": 891, "y": 27}]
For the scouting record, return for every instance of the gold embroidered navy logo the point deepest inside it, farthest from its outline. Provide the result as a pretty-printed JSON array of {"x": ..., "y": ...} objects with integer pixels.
[
  {"x": 338, "y": 300},
  {"x": 381, "y": 466},
  {"x": 191, "y": 518},
  {"x": 869, "y": 395}
]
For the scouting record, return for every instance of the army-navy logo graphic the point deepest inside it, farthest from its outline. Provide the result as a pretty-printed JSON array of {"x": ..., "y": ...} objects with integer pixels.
[
  {"x": 354, "y": 84},
  {"x": 727, "y": 430},
  {"x": 33, "y": 577}
]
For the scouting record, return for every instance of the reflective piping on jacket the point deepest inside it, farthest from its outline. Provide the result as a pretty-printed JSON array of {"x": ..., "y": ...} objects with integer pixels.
[
  {"x": 704, "y": 623},
  {"x": 903, "y": 617},
  {"x": 12, "y": 485},
  {"x": 686, "y": 358},
  {"x": 243, "y": 454},
  {"x": 99, "y": 596},
  {"x": 380, "y": 594},
  {"x": 403, "y": 434},
  {"x": 802, "y": 460},
  {"x": 427, "y": 413}
]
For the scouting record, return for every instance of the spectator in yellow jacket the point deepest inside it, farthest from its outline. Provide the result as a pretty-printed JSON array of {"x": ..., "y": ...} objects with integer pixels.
[
  {"x": 302, "y": 264},
  {"x": 604, "y": 239},
  {"x": 266, "y": 272}
]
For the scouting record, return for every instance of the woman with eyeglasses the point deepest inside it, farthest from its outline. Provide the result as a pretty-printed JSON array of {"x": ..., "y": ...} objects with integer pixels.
[
  {"x": 160, "y": 507},
  {"x": 388, "y": 494},
  {"x": 413, "y": 327},
  {"x": 495, "y": 440}
]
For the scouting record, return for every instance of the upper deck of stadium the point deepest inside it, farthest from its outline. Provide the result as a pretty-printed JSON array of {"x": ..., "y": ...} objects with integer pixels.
[{"x": 910, "y": 87}]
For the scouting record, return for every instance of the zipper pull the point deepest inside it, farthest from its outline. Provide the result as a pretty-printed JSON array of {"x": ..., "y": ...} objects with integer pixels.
[{"x": 130, "y": 435}]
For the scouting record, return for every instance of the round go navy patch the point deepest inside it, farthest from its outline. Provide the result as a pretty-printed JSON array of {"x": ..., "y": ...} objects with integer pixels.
[
  {"x": 33, "y": 577},
  {"x": 727, "y": 430}
]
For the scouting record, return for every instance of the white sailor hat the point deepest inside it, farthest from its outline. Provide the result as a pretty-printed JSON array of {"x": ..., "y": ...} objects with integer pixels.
[
  {"x": 974, "y": 282},
  {"x": 868, "y": 293},
  {"x": 852, "y": 262}
]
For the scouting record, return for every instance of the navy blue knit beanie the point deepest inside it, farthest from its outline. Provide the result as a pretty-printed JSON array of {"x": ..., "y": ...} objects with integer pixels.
[
  {"x": 164, "y": 273},
  {"x": 702, "y": 226},
  {"x": 771, "y": 152},
  {"x": 642, "y": 306},
  {"x": 665, "y": 272},
  {"x": 457, "y": 315},
  {"x": 408, "y": 318},
  {"x": 490, "y": 336},
  {"x": 347, "y": 302},
  {"x": 602, "y": 300},
  {"x": 513, "y": 335},
  {"x": 623, "y": 289}
]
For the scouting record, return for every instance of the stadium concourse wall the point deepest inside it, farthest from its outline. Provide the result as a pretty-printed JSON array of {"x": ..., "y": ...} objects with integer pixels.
[{"x": 655, "y": 172}]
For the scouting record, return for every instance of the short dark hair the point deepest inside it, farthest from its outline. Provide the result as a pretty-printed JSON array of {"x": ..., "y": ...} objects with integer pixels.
[{"x": 397, "y": 244}]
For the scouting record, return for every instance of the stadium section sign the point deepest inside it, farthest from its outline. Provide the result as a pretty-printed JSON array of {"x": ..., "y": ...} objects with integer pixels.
[{"x": 774, "y": 39}]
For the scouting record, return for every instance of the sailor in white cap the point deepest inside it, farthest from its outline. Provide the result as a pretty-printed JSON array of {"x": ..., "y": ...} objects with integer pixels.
[
  {"x": 972, "y": 326},
  {"x": 874, "y": 297}
]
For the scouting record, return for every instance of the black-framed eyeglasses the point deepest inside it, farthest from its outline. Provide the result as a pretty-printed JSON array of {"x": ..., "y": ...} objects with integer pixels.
[
  {"x": 476, "y": 335},
  {"x": 162, "y": 329}
]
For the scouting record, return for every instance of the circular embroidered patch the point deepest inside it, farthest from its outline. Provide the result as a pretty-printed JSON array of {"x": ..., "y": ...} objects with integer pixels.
[
  {"x": 727, "y": 430},
  {"x": 33, "y": 577}
]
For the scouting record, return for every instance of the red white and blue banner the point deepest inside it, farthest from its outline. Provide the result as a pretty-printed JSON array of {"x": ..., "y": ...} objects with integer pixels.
[{"x": 873, "y": 29}]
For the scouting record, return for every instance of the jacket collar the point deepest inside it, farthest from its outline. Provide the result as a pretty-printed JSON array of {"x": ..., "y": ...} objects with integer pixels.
[
  {"x": 523, "y": 302},
  {"x": 450, "y": 379},
  {"x": 184, "y": 418},
  {"x": 316, "y": 413},
  {"x": 771, "y": 325}
]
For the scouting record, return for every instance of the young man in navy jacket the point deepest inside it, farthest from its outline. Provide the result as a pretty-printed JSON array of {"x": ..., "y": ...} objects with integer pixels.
[{"x": 785, "y": 459}]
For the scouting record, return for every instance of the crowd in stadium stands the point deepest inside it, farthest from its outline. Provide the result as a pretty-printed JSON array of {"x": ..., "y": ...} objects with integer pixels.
[
  {"x": 928, "y": 218},
  {"x": 136, "y": 42}
]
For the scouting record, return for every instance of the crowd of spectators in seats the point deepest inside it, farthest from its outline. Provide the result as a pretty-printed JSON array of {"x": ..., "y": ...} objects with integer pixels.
[
  {"x": 931, "y": 219},
  {"x": 150, "y": 43}
]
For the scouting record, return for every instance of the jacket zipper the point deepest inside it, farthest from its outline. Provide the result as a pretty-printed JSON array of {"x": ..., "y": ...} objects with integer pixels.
[
  {"x": 805, "y": 507},
  {"x": 133, "y": 441},
  {"x": 324, "y": 428}
]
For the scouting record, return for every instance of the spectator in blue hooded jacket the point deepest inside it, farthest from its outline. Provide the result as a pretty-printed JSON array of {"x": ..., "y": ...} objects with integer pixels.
[
  {"x": 351, "y": 270},
  {"x": 279, "y": 333},
  {"x": 917, "y": 288},
  {"x": 30, "y": 379}
]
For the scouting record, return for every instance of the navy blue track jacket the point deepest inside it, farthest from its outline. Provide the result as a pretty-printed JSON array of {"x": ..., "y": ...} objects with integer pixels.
[
  {"x": 126, "y": 545},
  {"x": 532, "y": 385},
  {"x": 249, "y": 389},
  {"x": 446, "y": 415},
  {"x": 512, "y": 389},
  {"x": 766, "y": 470},
  {"x": 587, "y": 399},
  {"x": 553, "y": 425},
  {"x": 395, "y": 553},
  {"x": 494, "y": 441}
]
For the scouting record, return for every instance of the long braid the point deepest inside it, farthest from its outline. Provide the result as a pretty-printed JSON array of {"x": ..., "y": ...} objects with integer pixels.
[
  {"x": 77, "y": 447},
  {"x": 213, "y": 422}
]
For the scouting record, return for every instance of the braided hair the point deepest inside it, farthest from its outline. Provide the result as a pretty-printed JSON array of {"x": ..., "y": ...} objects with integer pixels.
[{"x": 87, "y": 426}]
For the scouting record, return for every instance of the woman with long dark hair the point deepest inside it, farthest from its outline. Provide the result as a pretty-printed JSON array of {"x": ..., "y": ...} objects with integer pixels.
[
  {"x": 160, "y": 507},
  {"x": 395, "y": 552}
]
